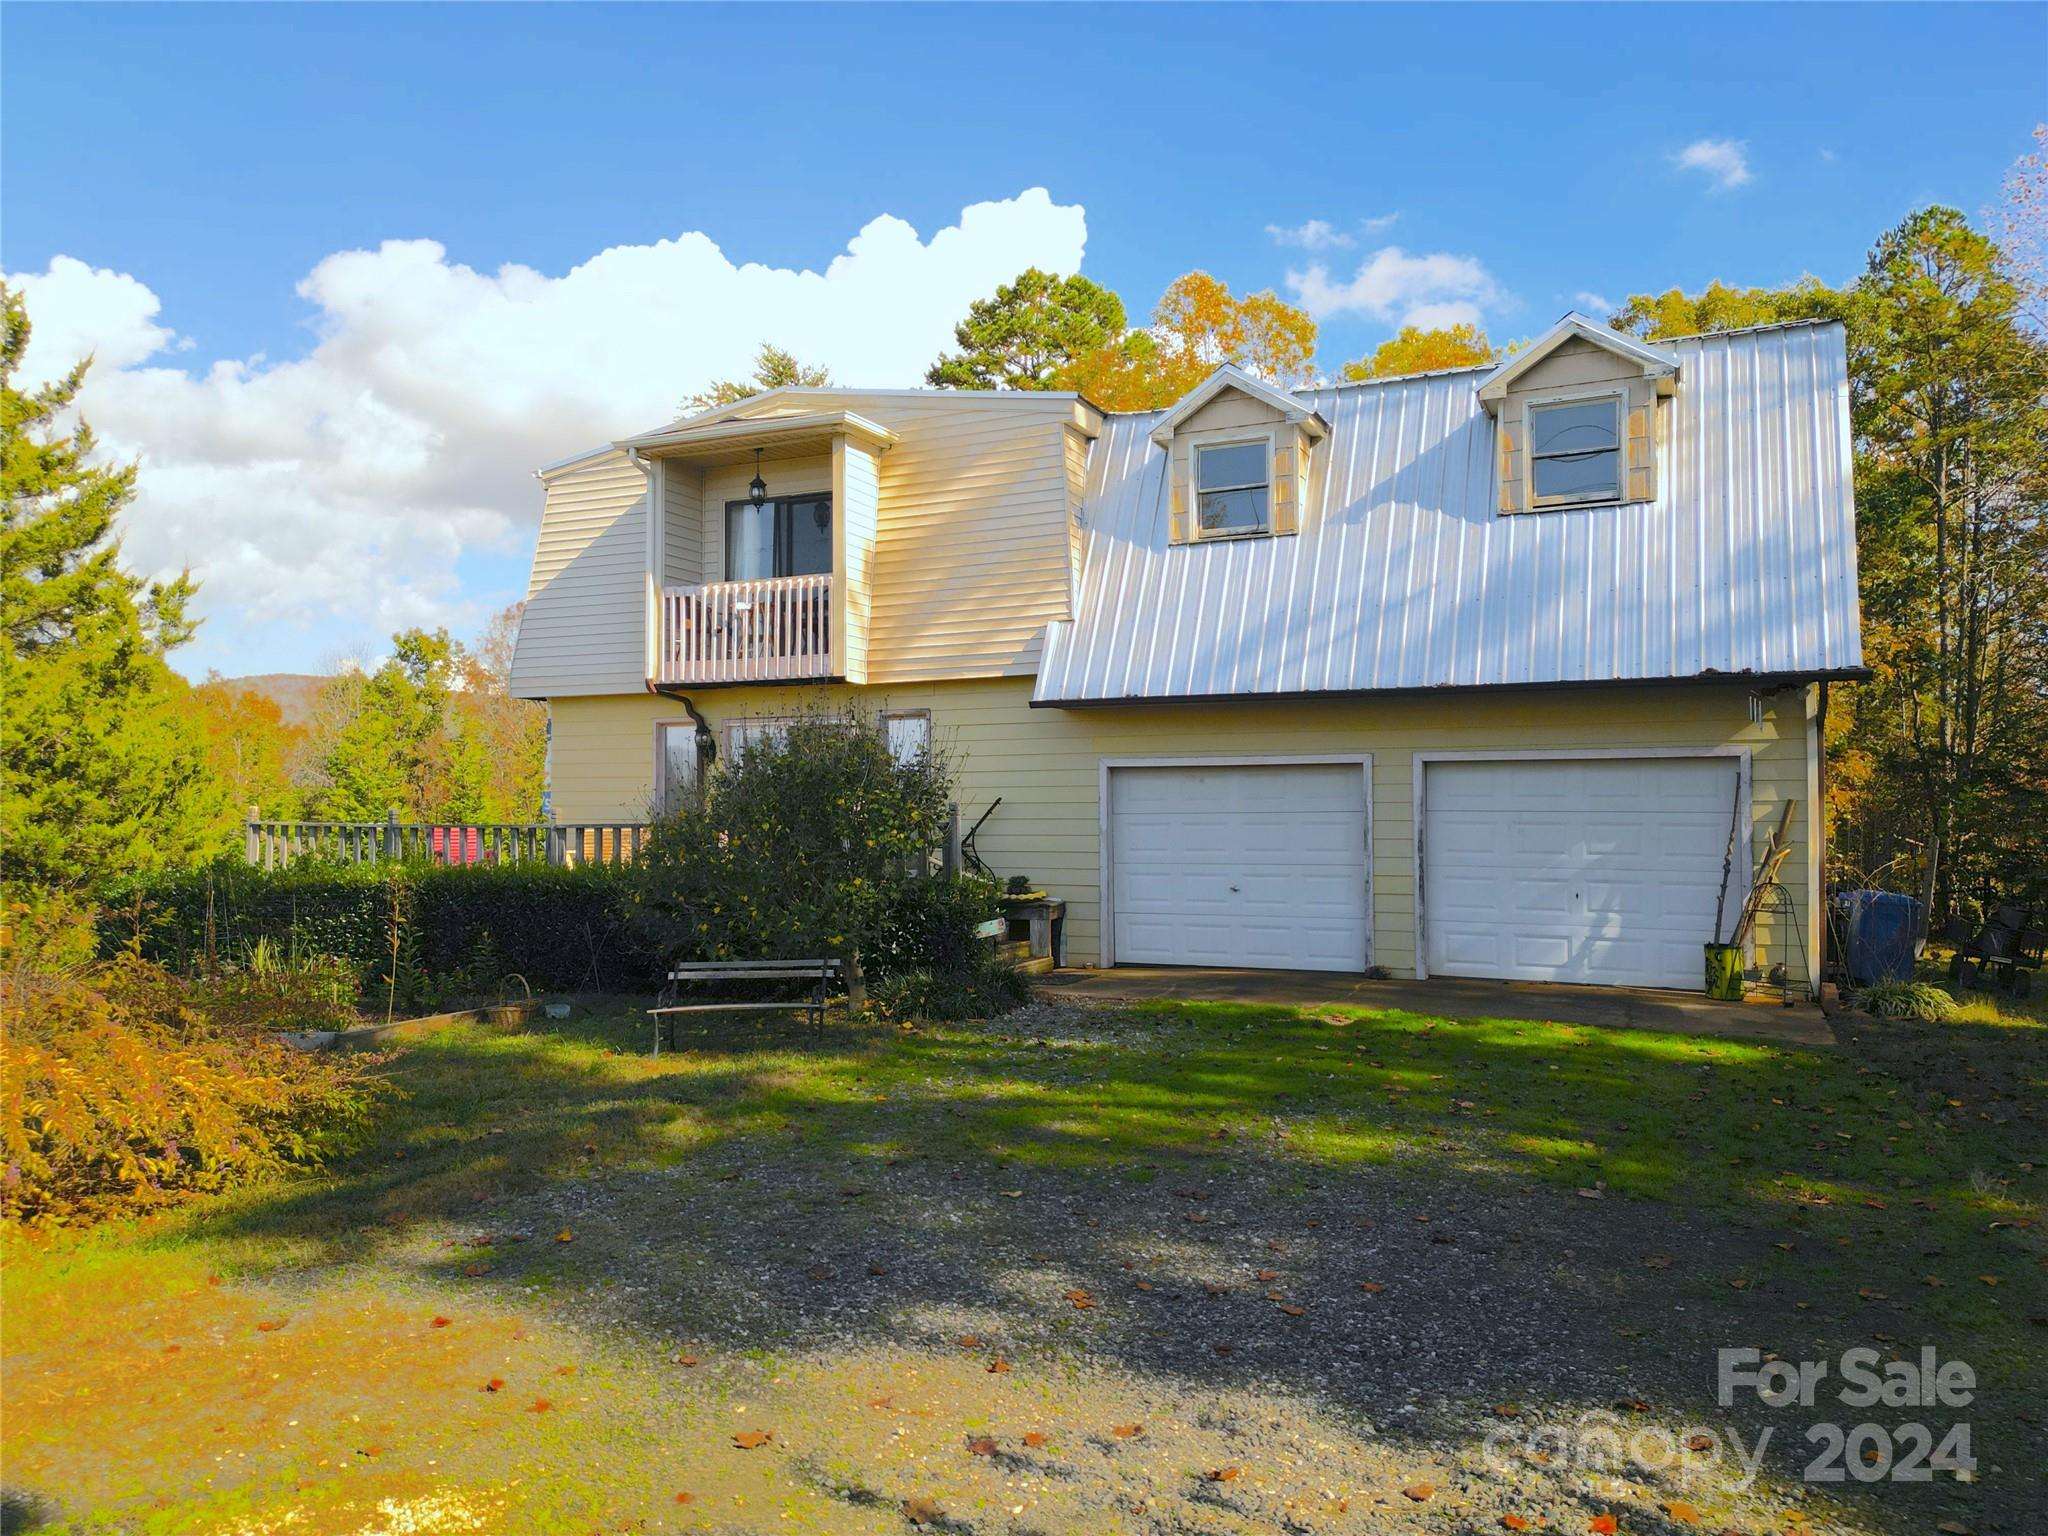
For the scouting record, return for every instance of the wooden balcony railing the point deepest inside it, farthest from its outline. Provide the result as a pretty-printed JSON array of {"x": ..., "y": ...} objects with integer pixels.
[{"x": 769, "y": 630}]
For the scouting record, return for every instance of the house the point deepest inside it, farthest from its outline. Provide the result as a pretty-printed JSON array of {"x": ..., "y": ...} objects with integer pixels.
[{"x": 1473, "y": 673}]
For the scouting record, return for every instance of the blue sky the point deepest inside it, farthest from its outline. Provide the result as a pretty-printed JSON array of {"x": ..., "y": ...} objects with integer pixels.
[{"x": 202, "y": 163}]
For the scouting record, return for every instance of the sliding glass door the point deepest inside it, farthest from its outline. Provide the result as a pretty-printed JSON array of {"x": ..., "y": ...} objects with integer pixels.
[{"x": 787, "y": 537}]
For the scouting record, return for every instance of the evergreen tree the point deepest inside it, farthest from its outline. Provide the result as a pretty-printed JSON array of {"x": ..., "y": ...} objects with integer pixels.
[
  {"x": 103, "y": 766},
  {"x": 1029, "y": 333},
  {"x": 774, "y": 368}
]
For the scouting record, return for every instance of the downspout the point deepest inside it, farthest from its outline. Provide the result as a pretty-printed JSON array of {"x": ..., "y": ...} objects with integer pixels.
[{"x": 707, "y": 740}]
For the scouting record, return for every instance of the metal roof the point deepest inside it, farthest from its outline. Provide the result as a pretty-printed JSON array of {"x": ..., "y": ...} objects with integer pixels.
[{"x": 1405, "y": 576}]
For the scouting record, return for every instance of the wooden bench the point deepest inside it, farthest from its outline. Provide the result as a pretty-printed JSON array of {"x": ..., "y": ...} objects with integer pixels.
[{"x": 817, "y": 972}]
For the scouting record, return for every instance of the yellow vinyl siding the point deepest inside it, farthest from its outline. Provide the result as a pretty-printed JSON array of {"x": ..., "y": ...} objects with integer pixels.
[
  {"x": 584, "y": 629},
  {"x": 1046, "y": 766},
  {"x": 854, "y": 478}
]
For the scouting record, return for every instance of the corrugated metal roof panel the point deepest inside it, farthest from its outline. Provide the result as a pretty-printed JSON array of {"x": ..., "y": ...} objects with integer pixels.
[{"x": 1405, "y": 576}]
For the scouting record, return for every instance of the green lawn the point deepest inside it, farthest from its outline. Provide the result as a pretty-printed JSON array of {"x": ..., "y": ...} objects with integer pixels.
[{"x": 1813, "y": 1199}]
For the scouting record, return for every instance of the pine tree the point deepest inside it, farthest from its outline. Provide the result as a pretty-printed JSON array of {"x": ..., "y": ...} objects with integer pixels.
[{"x": 103, "y": 766}]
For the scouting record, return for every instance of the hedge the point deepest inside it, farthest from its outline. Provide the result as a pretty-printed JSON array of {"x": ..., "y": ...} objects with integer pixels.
[{"x": 563, "y": 929}]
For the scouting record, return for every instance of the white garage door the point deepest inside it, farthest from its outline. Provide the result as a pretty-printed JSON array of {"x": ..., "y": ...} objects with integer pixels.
[
  {"x": 1600, "y": 870},
  {"x": 1239, "y": 866}
]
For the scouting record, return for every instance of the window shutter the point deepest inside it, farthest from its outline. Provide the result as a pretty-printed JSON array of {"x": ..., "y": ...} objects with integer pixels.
[
  {"x": 1642, "y": 456},
  {"x": 1286, "y": 489},
  {"x": 1509, "y": 474},
  {"x": 1178, "y": 528}
]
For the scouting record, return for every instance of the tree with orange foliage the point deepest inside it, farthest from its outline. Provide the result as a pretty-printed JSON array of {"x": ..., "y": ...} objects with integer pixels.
[
  {"x": 250, "y": 748},
  {"x": 1197, "y": 326},
  {"x": 1415, "y": 350}
]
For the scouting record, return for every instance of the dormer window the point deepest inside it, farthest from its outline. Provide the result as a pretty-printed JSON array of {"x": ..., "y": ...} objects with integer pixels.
[
  {"x": 1575, "y": 450},
  {"x": 1233, "y": 488}
]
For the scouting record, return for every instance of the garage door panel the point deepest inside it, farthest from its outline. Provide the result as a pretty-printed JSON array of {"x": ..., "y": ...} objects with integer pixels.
[
  {"x": 1574, "y": 870},
  {"x": 1240, "y": 866}
]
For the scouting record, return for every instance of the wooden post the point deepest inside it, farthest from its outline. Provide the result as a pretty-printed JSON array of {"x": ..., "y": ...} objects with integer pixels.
[
  {"x": 558, "y": 846},
  {"x": 391, "y": 835},
  {"x": 950, "y": 859},
  {"x": 856, "y": 983},
  {"x": 251, "y": 849}
]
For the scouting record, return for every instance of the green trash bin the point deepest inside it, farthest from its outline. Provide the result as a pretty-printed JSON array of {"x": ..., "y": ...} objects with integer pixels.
[{"x": 1724, "y": 972}]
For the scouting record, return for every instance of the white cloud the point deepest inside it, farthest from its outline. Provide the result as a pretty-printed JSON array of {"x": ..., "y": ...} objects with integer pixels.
[
  {"x": 1593, "y": 303},
  {"x": 1724, "y": 162},
  {"x": 338, "y": 490},
  {"x": 1315, "y": 235},
  {"x": 1394, "y": 287},
  {"x": 1322, "y": 235}
]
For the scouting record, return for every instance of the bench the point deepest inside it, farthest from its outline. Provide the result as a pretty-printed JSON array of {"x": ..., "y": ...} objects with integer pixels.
[{"x": 817, "y": 972}]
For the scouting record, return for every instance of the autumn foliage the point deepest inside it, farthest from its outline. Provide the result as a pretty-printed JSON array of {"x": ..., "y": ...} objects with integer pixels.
[{"x": 123, "y": 1089}]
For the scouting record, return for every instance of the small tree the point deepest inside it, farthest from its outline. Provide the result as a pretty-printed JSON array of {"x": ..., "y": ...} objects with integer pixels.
[
  {"x": 1413, "y": 349},
  {"x": 795, "y": 849},
  {"x": 774, "y": 368}
]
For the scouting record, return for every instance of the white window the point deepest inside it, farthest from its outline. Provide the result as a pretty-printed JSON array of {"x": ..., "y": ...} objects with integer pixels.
[
  {"x": 1575, "y": 451},
  {"x": 675, "y": 762},
  {"x": 741, "y": 734},
  {"x": 908, "y": 732},
  {"x": 1233, "y": 488}
]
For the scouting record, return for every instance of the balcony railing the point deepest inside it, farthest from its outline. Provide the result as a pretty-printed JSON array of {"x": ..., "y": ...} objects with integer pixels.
[{"x": 762, "y": 631}]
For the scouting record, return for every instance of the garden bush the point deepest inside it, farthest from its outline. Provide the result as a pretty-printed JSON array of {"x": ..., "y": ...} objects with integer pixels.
[
  {"x": 1906, "y": 1000},
  {"x": 980, "y": 988},
  {"x": 121, "y": 1091},
  {"x": 461, "y": 931}
]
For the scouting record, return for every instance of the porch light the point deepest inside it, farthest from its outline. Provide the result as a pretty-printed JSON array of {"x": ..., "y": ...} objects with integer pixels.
[{"x": 757, "y": 488}]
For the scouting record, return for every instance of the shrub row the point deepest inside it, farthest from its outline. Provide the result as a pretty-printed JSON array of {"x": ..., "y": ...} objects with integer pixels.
[
  {"x": 463, "y": 932},
  {"x": 562, "y": 929}
]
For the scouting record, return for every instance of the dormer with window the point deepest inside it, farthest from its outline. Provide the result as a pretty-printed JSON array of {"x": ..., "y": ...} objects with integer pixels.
[
  {"x": 1577, "y": 418},
  {"x": 1238, "y": 453}
]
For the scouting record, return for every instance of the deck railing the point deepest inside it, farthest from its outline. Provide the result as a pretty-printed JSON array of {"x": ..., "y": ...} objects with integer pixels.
[
  {"x": 270, "y": 844},
  {"x": 771, "y": 630}
]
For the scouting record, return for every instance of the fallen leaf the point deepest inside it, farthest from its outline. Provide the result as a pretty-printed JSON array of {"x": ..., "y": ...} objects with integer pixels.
[
  {"x": 1081, "y": 1299},
  {"x": 970, "y": 1341},
  {"x": 479, "y": 1267},
  {"x": 1293, "y": 1311},
  {"x": 1371, "y": 1287},
  {"x": 1603, "y": 1525},
  {"x": 495, "y": 1384},
  {"x": 1269, "y": 1274},
  {"x": 565, "y": 1236},
  {"x": 998, "y": 1366},
  {"x": 753, "y": 1439},
  {"x": 1658, "y": 1261},
  {"x": 686, "y": 1498},
  {"x": 687, "y": 1360},
  {"x": 1210, "y": 1288},
  {"x": 1198, "y": 1216},
  {"x": 983, "y": 1446},
  {"x": 1514, "y": 1522},
  {"x": 1128, "y": 1431},
  {"x": 1420, "y": 1492},
  {"x": 1141, "y": 1285},
  {"x": 272, "y": 1326},
  {"x": 565, "y": 1370},
  {"x": 878, "y": 1269},
  {"x": 1990, "y": 1279},
  {"x": 1508, "y": 1410},
  {"x": 922, "y": 1511},
  {"x": 439, "y": 1322},
  {"x": 1682, "y": 1512},
  {"x": 819, "y": 1273},
  {"x": 1224, "y": 1474},
  {"x": 1223, "y": 1349},
  {"x": 1034, "y": 1439},
  {"x": 539, "y": 1405},
  {"x": 1699, "y": 1442}
]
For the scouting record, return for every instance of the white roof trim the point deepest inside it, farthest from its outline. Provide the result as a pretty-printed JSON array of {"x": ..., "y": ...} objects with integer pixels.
[
  {"x": 1655, "y": 363},
  {"x": 747, "y": 429},
  {"x": 1231, "y": 377}
]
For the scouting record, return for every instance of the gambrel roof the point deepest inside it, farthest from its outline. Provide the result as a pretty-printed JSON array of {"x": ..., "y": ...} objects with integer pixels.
[{"x": 1405, "y": 576}]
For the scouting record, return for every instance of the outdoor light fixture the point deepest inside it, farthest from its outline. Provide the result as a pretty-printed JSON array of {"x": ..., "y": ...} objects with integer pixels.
[{"x": 757, "y": 488}]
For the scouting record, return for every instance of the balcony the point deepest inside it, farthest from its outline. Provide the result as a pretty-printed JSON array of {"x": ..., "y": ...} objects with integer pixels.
[{"x": 773, "y": 630}]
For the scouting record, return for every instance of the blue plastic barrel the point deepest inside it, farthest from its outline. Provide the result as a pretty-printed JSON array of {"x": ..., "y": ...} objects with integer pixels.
[{"x": 1878, "y": 928}]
